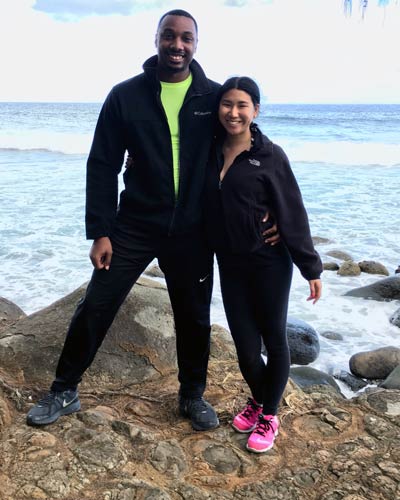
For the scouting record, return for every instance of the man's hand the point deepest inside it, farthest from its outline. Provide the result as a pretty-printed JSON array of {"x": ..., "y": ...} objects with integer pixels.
[
  {"x": 272, "y": 234},
  {"x": 315, "y": 290},
  {"x": 101, "y": 252}
]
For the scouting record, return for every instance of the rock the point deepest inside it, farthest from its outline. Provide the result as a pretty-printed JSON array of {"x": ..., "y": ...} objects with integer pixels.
[
  {"x": 349, "y": 268},
  {"x": 395, "y": 318},
  {"x": 318, "y": 240},
  {"x": 154, "y": 271},
  {"x": 397, "y": 271},
  {"x": 353, "y": 382},
  {"x": 393, "y": 380},
  {"x": 338, "y": 254},
  {"x": 384, "y": 289},
  {"x": 372, "y": 267},
  {"x": 303, "y": 342},
  {"x": 305, "y": 376},
  {"x": 376, "y": 364},
  {"x": 330, "y": 266},
  {"x": 9, "y": 312},
  {"x": 140, "y": 343},
  {"x": 332, "y": 335},
  {"x": 168, "y": 458}
]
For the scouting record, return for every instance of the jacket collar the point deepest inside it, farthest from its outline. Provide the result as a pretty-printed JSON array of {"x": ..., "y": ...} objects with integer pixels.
[{"x": 200, "y": 83}]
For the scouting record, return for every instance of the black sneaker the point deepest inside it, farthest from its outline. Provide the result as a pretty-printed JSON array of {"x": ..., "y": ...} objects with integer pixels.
[
  {"x": 53, "y": 406},
  {"x": 201, "y": 413}
]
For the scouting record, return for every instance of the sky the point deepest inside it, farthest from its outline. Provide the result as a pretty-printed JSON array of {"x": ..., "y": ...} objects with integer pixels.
[{"x": 299, "y": 51}]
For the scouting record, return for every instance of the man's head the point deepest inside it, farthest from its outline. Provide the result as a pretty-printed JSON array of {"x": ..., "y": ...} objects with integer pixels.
[{"x": 176, "y": 42}]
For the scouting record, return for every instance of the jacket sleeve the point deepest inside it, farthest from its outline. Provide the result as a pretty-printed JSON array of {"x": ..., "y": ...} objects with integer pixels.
[
  {"x": 292, "y": 217},
  {"x": 103, "y": 166}
]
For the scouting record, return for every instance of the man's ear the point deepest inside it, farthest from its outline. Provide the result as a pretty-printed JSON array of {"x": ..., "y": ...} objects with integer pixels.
[
  {"x": 256, "y": 110},
  {"x": 155, "y": 39}
]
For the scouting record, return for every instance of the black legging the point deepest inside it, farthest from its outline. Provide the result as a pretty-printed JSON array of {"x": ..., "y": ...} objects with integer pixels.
[{"x": 255, "y": 290}]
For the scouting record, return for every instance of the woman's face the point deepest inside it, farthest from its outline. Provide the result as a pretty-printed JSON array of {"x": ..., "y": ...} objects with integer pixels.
[{"x": 237, "y": 111}]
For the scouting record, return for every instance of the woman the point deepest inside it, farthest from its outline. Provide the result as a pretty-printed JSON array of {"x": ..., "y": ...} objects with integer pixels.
[{"x": 247, "y": 177}]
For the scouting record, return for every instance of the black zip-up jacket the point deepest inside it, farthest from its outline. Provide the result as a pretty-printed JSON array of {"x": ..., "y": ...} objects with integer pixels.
[
  {"x": 133, "y": 119},
  {"x": 258, "y": 181}
]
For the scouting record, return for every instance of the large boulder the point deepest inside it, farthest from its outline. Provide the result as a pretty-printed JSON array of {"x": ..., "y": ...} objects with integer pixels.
[
  {"x": 376, "y": 364},
  {"x": 372, "y": 267},
  {"x": 303, "y": 342},
  {"x": 384, "y": 289},
  {"x": 349, "y": 268},
  {"x": 393, "y": 380},
  {"x": 306, "y": 377},
  {"x": 139, "y": 344},
  {"x": 9, "y": 312}
]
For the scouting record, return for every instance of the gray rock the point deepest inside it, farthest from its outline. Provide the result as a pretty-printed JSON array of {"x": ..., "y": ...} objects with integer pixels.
[
  {"x": 372, "y": 267},
  {"x": 349, "y": 268},
  {"x": 332, "y": 335},
  {"x": 319, "y": 240},
  {"x": 330, "y": 266},
  {"x": 9, "y": 312},
  {"x": 375, "y": 364},
  {"x": 353, "y": 382},
  {"x": 384, "y": 289},
  {"x": 169, "y": 458},
  {"x": 154, "y": 271},
  {"x": 338, "y": 254},
  {"x": 395, "y": 318},
  {"x": 303, "y": 342},
  {"x": 305, "y": 376},
  {"x": 140, "y": 343},
  {"x": 393, "y": 380},
  {"x": 222, "y": 458}
]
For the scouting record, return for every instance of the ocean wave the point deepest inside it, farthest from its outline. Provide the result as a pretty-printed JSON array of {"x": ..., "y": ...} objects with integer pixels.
[
  {"x": 342, "y": 153},
  {"x": 46, "y": 141}
]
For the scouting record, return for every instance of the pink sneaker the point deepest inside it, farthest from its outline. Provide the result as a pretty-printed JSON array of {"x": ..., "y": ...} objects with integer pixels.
[
  {"x": 246, "y": 420},
  {"x": 263, "y": 437}
]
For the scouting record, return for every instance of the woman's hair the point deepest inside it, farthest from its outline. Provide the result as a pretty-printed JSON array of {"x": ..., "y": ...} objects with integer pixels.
[{"x": 241, "y": 83}]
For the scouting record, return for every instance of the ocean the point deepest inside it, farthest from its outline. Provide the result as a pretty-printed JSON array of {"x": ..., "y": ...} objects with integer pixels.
[{"x": 347, "y": 162}]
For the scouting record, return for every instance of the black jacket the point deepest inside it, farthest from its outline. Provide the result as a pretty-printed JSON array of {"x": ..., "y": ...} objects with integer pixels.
[
  {"x": 258, "y": 181},
  {"x": 132, "y": 119}
]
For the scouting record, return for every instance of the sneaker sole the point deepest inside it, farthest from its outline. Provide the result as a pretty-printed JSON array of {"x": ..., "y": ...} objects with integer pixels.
[
  {"x": 243, "y": 431},
  {"x": 263, "y": 450},
  {"x": 72, "y": 408}
]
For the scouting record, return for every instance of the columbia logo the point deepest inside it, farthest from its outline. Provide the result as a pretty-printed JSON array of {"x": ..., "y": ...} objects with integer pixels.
[
  {"x": 202, "y": 113},
  {"x": 254, "y": 162}
]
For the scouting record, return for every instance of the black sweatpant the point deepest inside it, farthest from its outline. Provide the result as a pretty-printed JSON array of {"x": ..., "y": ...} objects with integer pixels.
[
  {"x": 187, "y": 265},
  {"x": 255, "y": 290}
]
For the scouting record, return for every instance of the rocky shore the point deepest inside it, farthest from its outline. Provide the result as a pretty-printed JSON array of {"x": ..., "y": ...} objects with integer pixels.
[{"x": 128, "y": 441}]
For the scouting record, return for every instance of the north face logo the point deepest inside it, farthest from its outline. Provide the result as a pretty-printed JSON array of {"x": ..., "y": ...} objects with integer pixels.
[
  {"x": 254, "y": 162},
  {"x": 202, "y": 113}
]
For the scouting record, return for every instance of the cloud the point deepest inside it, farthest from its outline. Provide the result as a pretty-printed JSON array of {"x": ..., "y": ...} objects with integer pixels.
[{"x": 73, "y": 9}]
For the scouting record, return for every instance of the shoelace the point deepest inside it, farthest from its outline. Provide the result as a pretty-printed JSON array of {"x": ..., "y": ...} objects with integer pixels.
[
  {"x": 50, "y": 396},
  {"x": 250, "y": 409},
  {"x": 198, "y": 405},
  {"x": 263, "y": 426}
]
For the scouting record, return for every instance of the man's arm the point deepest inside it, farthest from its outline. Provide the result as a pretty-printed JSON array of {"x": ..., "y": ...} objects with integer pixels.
[
  {"x": 272, "y": 234},
  {"x": 100, "y": 253},
  {"x": 103, "y": 166}
]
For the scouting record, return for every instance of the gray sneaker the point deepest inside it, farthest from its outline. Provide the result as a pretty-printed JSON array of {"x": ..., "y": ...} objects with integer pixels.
[
  {"x": 200, "y": 412},
  {"x": 53, "y": 406}
]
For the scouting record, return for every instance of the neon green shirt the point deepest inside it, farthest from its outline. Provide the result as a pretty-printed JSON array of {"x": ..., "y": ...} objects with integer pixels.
[{"x": 172, "y": 97}]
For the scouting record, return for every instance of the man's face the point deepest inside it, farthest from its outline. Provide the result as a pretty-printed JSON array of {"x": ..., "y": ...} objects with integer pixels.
[{"x": 176, "y": 42}]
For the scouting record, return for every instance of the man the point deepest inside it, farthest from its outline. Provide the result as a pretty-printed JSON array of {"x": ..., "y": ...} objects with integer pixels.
[{"x": 164, "y": 118}]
